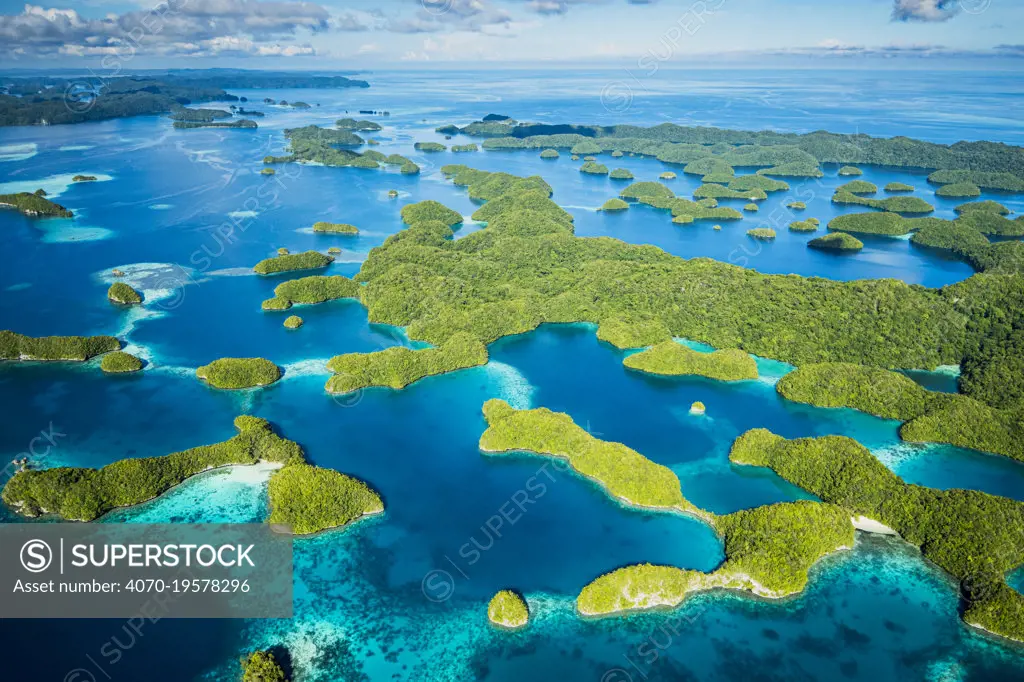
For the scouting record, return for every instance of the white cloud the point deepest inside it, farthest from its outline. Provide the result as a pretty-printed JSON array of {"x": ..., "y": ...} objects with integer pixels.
[
  {"x": 924, "y": 10},
  {"x": 173, "y": 27}
]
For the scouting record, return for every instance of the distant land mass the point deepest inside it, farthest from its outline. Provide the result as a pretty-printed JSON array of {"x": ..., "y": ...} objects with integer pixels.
[{"x": 51, "y": 100}]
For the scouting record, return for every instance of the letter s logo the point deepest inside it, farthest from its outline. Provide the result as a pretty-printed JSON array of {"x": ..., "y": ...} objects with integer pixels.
[{"x": 36, "y": 556}]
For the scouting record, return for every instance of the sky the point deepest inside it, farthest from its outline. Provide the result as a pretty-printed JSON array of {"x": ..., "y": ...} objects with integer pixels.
[{"x": 362, "y": 34}]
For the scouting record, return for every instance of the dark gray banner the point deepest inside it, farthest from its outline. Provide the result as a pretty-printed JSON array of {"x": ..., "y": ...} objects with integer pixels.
[{"x": 96, "y": 570}]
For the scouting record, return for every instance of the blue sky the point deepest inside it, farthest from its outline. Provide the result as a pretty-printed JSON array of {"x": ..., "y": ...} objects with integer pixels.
[{"x": 324, "y": 34}]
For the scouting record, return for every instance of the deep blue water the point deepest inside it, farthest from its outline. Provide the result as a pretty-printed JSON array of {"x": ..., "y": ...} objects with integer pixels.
[{"x": 186, "y": 215}]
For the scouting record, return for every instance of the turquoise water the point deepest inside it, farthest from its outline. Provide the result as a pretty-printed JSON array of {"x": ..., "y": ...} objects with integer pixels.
[{"x": 186, "y": 215}]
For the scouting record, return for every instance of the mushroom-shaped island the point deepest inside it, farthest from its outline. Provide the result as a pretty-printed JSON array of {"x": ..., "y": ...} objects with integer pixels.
[
  {"x": 119, "y": 292},
  {"x": 508, "y": 610}
]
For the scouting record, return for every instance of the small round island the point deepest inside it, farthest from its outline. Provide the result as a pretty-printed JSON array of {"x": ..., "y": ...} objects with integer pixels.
[
  {"x": 508, "y": 610},
  {"x": 119, "y": 362}
]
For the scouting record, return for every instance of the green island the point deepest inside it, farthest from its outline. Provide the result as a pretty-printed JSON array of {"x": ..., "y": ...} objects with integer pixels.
[
  {"x": 362, "y": 126},
  {"x": 268, "y": 171},
  {"x": 620, "y": 174},
  {"x": 471, "y": 147},
  {"x": 429, "y": 147},
  {"x": 333, "y": 147},
  {"x": 335, "y": 228},
  {"x": 950, "y": 235},
  {"x": 549, "y": 154},
  {"x": 714, "y": 191},
  {"x": 261, "y": 666},
  {"x": 614, "y": 204},
  {"x": 988, "y": 206},
  {"x": 899, "y": 204},
  {"x": 484, "y": 186},
  {"x": 234, "y": 373},
  {"x": 850, "y": 170},
  {"x": 899, "y": 187},
  {"x": 507, "y": 609},
  {"x": 768, "y": 552},
  {"x": 992, "y": 222},
  {"x": 309, "y": 499},
  {"x": 670, "y": 358},
  {"x": 928, "y": 416},
  {"x": 964, "y": 237},
  {"x": 82, "y": 494},
  {"x": 239, "y": 123},
  {"x": 720, "y": 177},
  {"x": 43, "y": 100},
  {"x": 757, "y": 184},
  {"x": 797, "y": 205},
  {"x": 199, "y": 115},
  {"x": 311, "y": 290},
  {"x": 837, "y": 241},
  {"x": 1004, "y": 181},
  {"x": 624, "y": 473},
  {"x": 751, "y": 208},
  {"x": 15, "y": 346},
  {"x": 858, "y": 187},
  {"x": 430, "y": 211},
  {"x": 303, "y": 497},
  {"x": 762, "y": 233},
  {"x": 307, "y": 260},
  {"x": 966, "y": 190},
  {"x": 794, "y": 169},
  {"x": 617, "y": 154},
  {"x": 119, "y": 362},
  {"x": 594, "y": 168},
  {"x": 667, "y": 175},
  {"x": 641, "y": 190},
  {"x": 686, "y": 211},
  {"x": 803, "y": 226},
  {"x": 975, "y": 537},
  {"x": 34, "y": 204},
  {"x": 398, "y": 367},
  {"x": 768, "y": 549},
  {"x": 527, "y": 268},
  {"x": 84, "y": 178},
  {"x": 891, "y": 224},
  {"x": 119, "y": 292},
  {"x": 292, "y": 322},
  {"x": 785, "y": 154}
]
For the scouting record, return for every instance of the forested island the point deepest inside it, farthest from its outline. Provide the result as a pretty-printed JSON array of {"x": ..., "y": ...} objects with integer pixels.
[
  {"x": 15, "y": 346},
  {"x": 49, "y": 100},
  {"x": 976, "y": 537},
  {"x": 332, "y": 147},
  {"x": 34, "y": 204},
  {"x": 528, "y": 268},
  {"x": 303, "y": 497},
  {"x": 670, "y": 358},
  {"x": 986, "y": 164},
  {"x": 928, "y": 416},
  {"x": 234, "y": 373},
  {"x": 239, "y": 123},
  {"x": 768, "y": 549},
  {"x": 288, "y": 262}
]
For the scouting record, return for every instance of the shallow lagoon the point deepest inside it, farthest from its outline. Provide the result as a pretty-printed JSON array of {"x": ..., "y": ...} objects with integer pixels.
[{"x": 877, "y": 613}]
